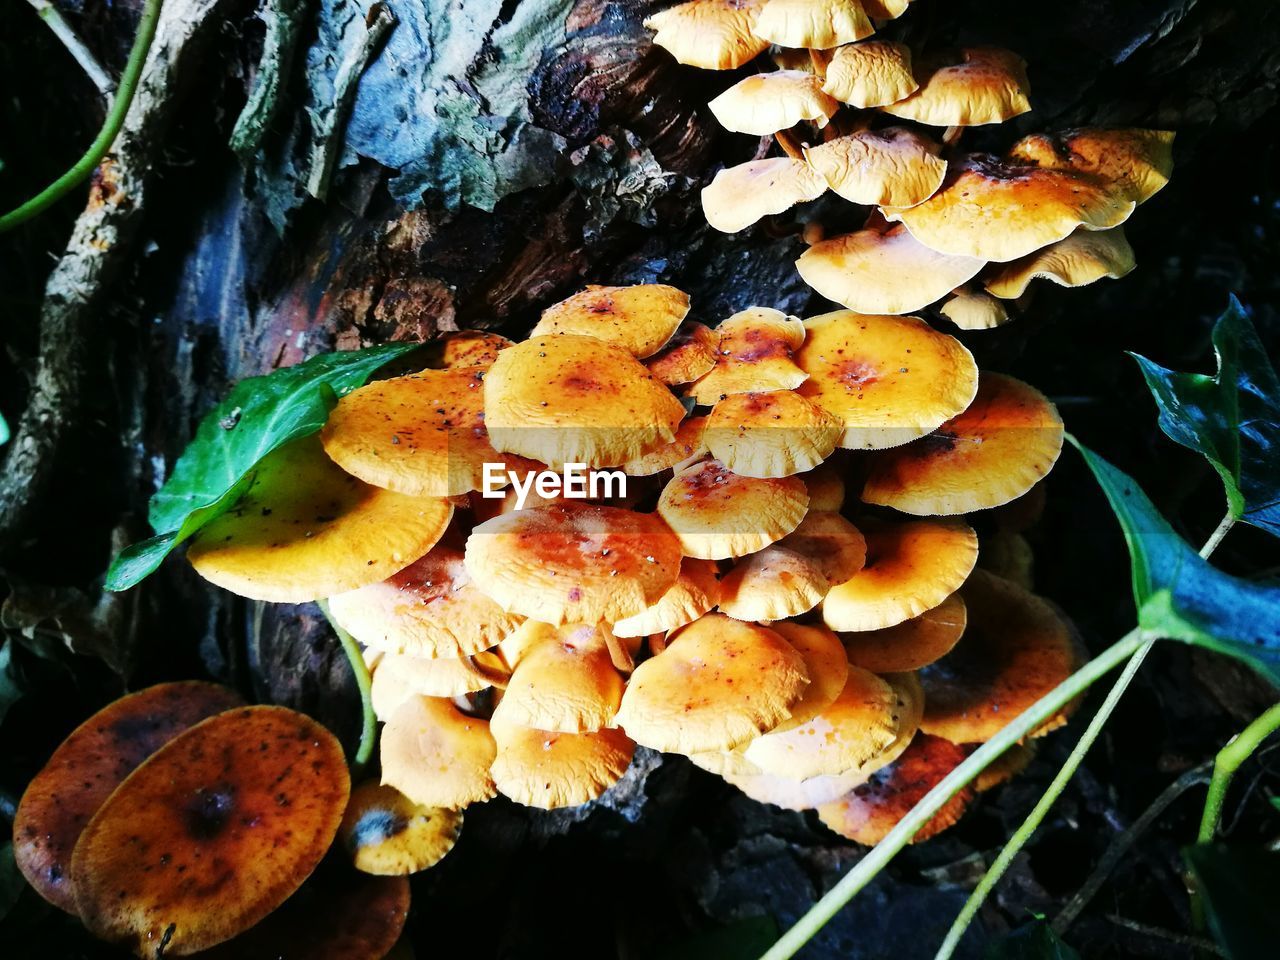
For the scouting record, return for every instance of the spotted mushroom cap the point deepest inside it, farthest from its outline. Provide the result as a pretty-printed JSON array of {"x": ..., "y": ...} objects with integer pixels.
[
  {"x": 689, "y": 445},
  {"x": 753, "y": 354},
  {"x": 387, "y": 834},
  {"x": 549, "y": 770},
  {"x": 458, "y": 349},
  {"x": 777, "y": 433},
  {"x": 640, "y": 318},
  {"x": 688, "y": 355}
]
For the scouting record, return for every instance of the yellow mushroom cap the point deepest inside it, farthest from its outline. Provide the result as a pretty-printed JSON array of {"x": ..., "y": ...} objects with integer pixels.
[
  {"x": 563, "y": 679},
  {"x": 549, "y": 770},
  {"x": 893, "y": 167},
  {"x": 871, "y": 74},
  {"x": 868, "y": 812},
  {"x": 398, "y": 677},
  {"x": 212, "y": 833},
  {"x": 889, "y": 379},
  {"x": 718, "y": 683},
  {"x": 772, "y": 584},
  {"x": 911, "y": 567},
  {"x": 306, "y": 530},
  {"x": 712, "y": 34},
  {"x": 739, "y": 196},
  {"x": 431, "y": 608},
  {"x": 824, "y": 659},
  {"x": 765, "y": 103},
  {"x": 387, "y": 834},
  {"x": 688, "y": 445},
  {"x": 459, "y": 349},
  {"x": 1137, "y": 161},
  {"x": 754, "y": 353},
  {"x": 639, "y": 318},
  {"x": 826, "y": 488},
  {"x": 688, "y": 355},
  {"x": 1006, "y": 766},
  {"x": 999, "y": 448},
  {"x": 883, "y": 271},
  {"x": 573, "y": 399},
  {"x": 572, "y": 562},
  {"x": 773, "y": 434},
  {"x": 695, "y": 592},
  {"x": 717, "y": 514},
  {"x": 829, "y": 541},
  {"x": 1014, "y": 651},
  {"x": 436, "y": 755},
  {"x": 1082, "y": 258},
  {"x": 813, "y": 24},
  {"x": 911, "y": 644},
  {"x": 972, "y": 87},
  {"x": 1001, "y": 210},
  {"x": 975, "y": 310}
]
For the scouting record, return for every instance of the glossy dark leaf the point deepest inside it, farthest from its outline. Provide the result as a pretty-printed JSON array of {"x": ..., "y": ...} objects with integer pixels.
[
  {"x": 1232, "y": 418},
  {"x": 1034, "y": 941},
  {"x": 1238, "y": 887}
]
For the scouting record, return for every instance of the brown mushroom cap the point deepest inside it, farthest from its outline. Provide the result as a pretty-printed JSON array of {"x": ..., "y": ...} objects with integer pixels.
[
  {"x": 639, "y": 318},
  {"x": 889, "y": 379},
  {"x": 825, "y": 484},
  {"x": 871, "y": 74},
  {"x": 1006, "y": 766},
  {"x": 867, "y": 813},
  {"x": 719, "y": 683},
  {"x": 717, "y": 514},
  {"x": 894, "y": 167},
  {"x": 548, "y": 770},
  {"x": 774, "y": 434},
  {"x": 387, "y": 834},
  {"x": 563, "y": 679},
  {"x": 1082, "y": 258},
  {"x": 1014, "y": 651},
  {"x": 458, "y": 349},
  {"x": 971, "y": 87},
  {"x": 883, "y": 271},
  {"x": 754, "y": 353},
  {"x": 89, "y": 765},
  {"x": 573, "y": 399},
  {"x": 911, "y": 567},
  {"x": 772, "y": 584},
  {"x": 712, "y": 34},
  {"x": 212, "y": 833},
  {"x": 688, "y": 355},
  {"x": 1137, "y": 161},
  {"x": 431, "y": 608},
  {"x": 812, "y": 24},
  {"x": 739, "y": 196},
  {"x": 911, "y": 644},
  {"x": 999, "y": 448},
  {"x": 573, "y": 562},
  {"x": 688, "y": 445},
  {"x": 695, "y": 592},
  {"x": 975, "y": 310},
  {"x": 306, "y": 530},
  {"x": 764, "y": 103},
  {"x": 436, "y": 755},
  {"x": 1001, "y": 210},
  {"x": 830, "y": 542}
]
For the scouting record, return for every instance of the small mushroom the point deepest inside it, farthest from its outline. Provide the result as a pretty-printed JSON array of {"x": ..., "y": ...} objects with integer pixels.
[
  {"x": 772, "y": 584},
  {"x": 695, "y": 592},
  {"x": 771, "y": 434},
  {"x": 754, "y": 353},
  {"x": 870, "y": 74},
  {"x": 399, "y": 677},
  {"x": 1080, "y": 259},
  {"x": 765, "y": 103},
  {"x": 563, "y": 679},
  {"x": 436, "y": 755},
  {"x": 911, "y": 644},
  {"x": 967, "y": 88},
  {"x": 739, "y": 196},
  {"x": 826, "y": 663},
  {"x": 688, "y": 355},
  {"x": 894, "y": 167},
  {"x": 387, "y": 834},
  {"x": 829, "y": 541},
  {"x": 712, "y": 34},
  {"x": 550, "y": 770},
  {"x": 640, "y": 318},
  {"x": 974, "y": 310}
]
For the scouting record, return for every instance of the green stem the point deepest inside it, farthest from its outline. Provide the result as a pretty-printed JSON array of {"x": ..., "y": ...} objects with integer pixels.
[
  {"x": 1217, "y": 536},
  {"x": 106, "y": 136},
  {"x": 1240, "y": 748},
  {"x": 897, "y": 838},
  {"x": 369, "y": 722}
]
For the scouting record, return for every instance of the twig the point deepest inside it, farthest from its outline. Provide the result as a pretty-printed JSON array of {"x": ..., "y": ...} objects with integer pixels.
[
  {"x": 1182, "y": 939},
  {"x": 284, "y": 27},
  {"x": 328, "y": 135},
  {"x": 96, "y": 72},
  {"x": 364, "y": 683}
]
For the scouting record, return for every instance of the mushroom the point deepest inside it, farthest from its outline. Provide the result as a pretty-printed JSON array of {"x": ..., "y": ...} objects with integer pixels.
[
  {"x": 967, "y": 88},
  {"x": 739, "y": 196},
  {"x": 572, "y": 399},
  {"x": 89, "y": 765},
  {"x": 773, "y": 584},
  {"x": 911, "y": 644},
  {"x": 996, "y": 450},
  {"x": 387, "y": 834},
  {"x": 399, "y": 677},
  {"x": 712, "y": 34},
  {"x": 459, "y": 349},
  {"x": 305, "y": 529},
  {"x": 1080, "y": 259},
  {"x": 563, "y": 679},
  {"x": 431, "y": 608},
  {"x": 689, "y": 445},
  {"x": 1009, "y": 555},
  {"x": 883, "y": 270},
  {"x": 826, "y": 488},
  {"x": 212, "y": 833},
  {"x": 1015, "y": 650},
  {"x": 695, "y": 592},
  {"x": 870, "y": 74},
  {"x": 572, "y": 562},
  {"x": 975, "y": 310},
  {"x": 754, "y": 353},
  {"x": 1006, "y": 766},
  {"x": 688, "y": 355},
  {"x": 911, "y": 567},
  {"x": 889, "y": 379},
  {"x": 716, "y": 514},
  {"x": 827, "y": 666},
  {"x": 812, "y": 24},
  {"x": 719, "y": 683},
  {"x": 639, "y": 318},
  {"x": 550, "y": 770},
  {"x": 1139, "y": 162},
  {"x": 829, "y": 541},
  {"x": 770, "y": 434},
  {"x": 436, "y": 755},
  {"x": 894, "y": 167},
  {"x": 766, "y": 103},
  {"x": 868, "y": 812}
]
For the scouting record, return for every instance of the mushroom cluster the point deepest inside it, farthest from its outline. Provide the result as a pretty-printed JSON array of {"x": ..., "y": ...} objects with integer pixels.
[
  {"x": 715, "y": 595},
  {"x": 963, "y": 232}
]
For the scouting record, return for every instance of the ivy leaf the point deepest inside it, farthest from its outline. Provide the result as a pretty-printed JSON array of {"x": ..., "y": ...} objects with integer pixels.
[
  {"x": 1231, "y": 418},
  {"x": 1238, "y": 887},
  {"x": 1181, "y": 596},
  {"x": 1034, "y": 941},
  {"x": 260, "y": 415}
]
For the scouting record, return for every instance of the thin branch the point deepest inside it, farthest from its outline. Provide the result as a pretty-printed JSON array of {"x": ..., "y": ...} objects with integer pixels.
[
  {"x": 285, "y": 19},
  {"x": 364, "y": 683},
  {"x": 96, "y": 72}
]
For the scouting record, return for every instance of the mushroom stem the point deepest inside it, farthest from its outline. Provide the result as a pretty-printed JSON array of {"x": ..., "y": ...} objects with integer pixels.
[
  {"x": 813, "y": 232},
  {"x": 619, "y": 653},
  {"x": 819, "y": 59},
  {"x": 951, "y": 136},
  {"x": 788, "y": 143},
  {"x": 493, "y": 678}
]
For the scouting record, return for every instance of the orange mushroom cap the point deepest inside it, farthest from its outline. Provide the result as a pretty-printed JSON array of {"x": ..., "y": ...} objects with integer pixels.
[
  {"x": 829, "y": 541},
  {"x": 1080, "y": 259},
  {"x": 689, "y": 445},
  {"x": 771, "y": 434},
  {"x": 975, "y": 310},
  {"x": 436, "y": 755},
  {"x": 739, "y": 196},
  {"x": 387, "y": 834},
  {"x": 754, "y": 353},
  {"x": 772, "y": 584},
  {"x": 639, "y": 318},
  {"x": 695, "y": 592},
  {"x": 1139, "y": 162},
  {"x": 688, "y": 355},
  {"x": 764, "y": 103},
  {"x": 892, "y": 167},
  {"x": 970, "y": 87},
  {"x": 871, "y": 74},
  {"x": 550, "y": 770},
  {"x": 911, "y": 644},
  {"x": 812, "y": 24},
  {"x": 465, "y": 348},
  {"x": 712, "y": 34},
  {"x": 563, "y": 679}
]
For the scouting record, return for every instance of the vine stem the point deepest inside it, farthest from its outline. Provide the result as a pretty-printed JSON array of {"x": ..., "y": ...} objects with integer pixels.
[
  {"x": 82, "y": 55},
  {"x": 355, "y": 657},
  {"x": 106, "y": 136},
  {"x": 1225, "y": 765}
]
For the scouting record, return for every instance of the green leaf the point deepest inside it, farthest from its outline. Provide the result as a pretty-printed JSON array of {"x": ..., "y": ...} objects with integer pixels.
[
  {"x": 260, "y": 415},
  {"x": 4, "y": 430},
  {"x": 1034, "y": 941},
  {"x": 11, "y": 881},
  {"x": 1232, "y": 418},
  {"x": 1238, "y": 887},
  {"x": 1178, "y": 594}
]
